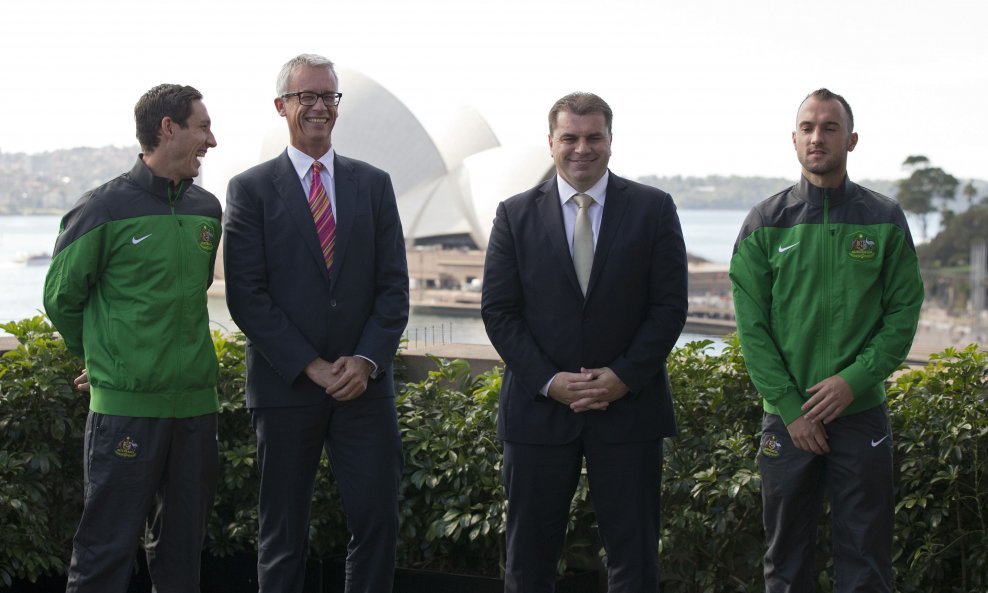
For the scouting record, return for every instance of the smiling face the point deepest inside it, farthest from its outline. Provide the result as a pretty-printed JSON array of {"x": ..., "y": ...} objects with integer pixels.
[
  {"x": 581, "y": 147},
  {"x": 310, "y": 127},
  {"x": 822, "y": 139},
  {"x": 181, "y": 148},
  {"x": 192, "y": 141}
]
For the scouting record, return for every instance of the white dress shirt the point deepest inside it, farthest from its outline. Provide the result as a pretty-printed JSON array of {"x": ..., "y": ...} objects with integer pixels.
[
  {"x": 596, "y": 211},
  {"x": 303, "y": 168}
]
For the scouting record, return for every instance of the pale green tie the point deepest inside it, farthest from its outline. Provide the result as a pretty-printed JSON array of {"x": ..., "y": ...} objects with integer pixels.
[{"x": 583, "y": 241}]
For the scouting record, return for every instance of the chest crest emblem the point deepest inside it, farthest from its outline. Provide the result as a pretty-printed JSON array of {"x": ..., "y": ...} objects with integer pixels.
[
  {"x": 207, "y": 238},
  {"x": 861, "y": 247}
]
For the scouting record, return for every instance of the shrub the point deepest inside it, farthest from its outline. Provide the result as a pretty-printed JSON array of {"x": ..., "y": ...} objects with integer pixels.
[
  {"x": 711, "y": 490},
  {"x": 233, "y": 524},
  {"x": 42, "y": 421},
  {"x": 452, "y": 507},
  {"x": 940, "y": 426}
]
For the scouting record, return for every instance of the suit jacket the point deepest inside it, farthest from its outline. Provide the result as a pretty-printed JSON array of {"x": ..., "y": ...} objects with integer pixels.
[
  {"x": 540, "y": 322},
  {"x": 281, "y": 295}
]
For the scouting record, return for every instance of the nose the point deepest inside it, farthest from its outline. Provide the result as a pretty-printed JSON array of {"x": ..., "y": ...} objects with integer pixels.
[
  {"x": 582, "y": 146},
  {"x": 211, "y": 140}
]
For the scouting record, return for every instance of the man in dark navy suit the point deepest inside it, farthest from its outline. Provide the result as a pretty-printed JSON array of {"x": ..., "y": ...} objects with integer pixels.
[
  {"x": 584, "y": 297},
  {"x": 316, "y": 278}
]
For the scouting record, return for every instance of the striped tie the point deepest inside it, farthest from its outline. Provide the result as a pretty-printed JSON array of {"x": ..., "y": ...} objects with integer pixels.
[{"x": 322, "y": 213}]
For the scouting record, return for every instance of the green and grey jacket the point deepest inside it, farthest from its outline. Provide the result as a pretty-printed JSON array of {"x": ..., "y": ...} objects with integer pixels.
[
  {"x": 127, "y": 291},
  {"x": 826, "y": 282}
]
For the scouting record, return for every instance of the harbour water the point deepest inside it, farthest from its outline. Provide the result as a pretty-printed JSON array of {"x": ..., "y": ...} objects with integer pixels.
[{"x": 709, "y": 234}]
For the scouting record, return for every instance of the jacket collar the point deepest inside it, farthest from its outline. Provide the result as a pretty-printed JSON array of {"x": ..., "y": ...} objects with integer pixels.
[
  {"x": 808, "y": 192},
  {"x": 157, "y": 186},
  {"x": 548, "y": 204}
]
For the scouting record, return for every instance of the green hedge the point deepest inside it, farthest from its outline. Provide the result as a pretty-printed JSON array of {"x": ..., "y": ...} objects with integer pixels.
[{"x": 452, "y": 504}]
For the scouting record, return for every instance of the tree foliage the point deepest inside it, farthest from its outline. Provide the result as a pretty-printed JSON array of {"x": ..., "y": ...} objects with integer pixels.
[
  {"x": 952, "y": 245},
  {"x": 925, "y": 185}
]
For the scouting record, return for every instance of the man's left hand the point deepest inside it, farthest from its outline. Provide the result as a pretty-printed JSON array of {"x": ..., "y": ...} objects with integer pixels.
[
  {"x": 597, "y": 393},
  {"x": 82, "y": 381},
  {"x": 351, "y": 374},
  {"x": 828, "y": 399}
]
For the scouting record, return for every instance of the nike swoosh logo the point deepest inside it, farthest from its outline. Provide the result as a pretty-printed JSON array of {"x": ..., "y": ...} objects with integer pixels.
[
  {"x": 135, "y": 240},
  {"x": 875, "y": 443},
  {"x": 784, "y": 249}
]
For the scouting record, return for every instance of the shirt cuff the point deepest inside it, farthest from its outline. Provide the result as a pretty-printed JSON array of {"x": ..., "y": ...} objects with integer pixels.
[
  {"x": 545, "y": 388},
  {"x": 376, "y": 372}
]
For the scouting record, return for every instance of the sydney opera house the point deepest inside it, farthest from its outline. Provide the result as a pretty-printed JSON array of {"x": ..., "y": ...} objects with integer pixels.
[{"x": 448, "y": 182}]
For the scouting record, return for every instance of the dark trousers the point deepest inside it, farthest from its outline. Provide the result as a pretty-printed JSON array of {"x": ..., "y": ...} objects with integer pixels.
[
  {"x": 857, "y": 477},
  {"x": 155, "y": 476},
  {"x": 624, "y": 480},
  {"x": 364, "y": 447}
]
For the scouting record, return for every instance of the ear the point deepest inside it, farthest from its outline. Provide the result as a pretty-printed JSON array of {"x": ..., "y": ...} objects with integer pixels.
[
  {"x": 550, "y": 143},
  {"x": 279, "y": 104},
  {"x": 852, "y": 141},
  {"x": 167, "y": 128},
  {"x": 794, "y": 139}
]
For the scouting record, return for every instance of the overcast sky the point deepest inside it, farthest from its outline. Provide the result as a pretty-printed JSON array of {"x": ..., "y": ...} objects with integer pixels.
[{"x": 698, "y": 87}]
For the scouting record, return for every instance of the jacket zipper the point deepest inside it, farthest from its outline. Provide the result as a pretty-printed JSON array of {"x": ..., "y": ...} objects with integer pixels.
[
  {"x": 182, "y": 257},
  {"x": 827, "y": 282}
]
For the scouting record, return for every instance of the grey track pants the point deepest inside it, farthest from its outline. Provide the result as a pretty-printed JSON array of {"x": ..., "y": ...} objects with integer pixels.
[
  {"x": 856, "y": 476},
  {"x": 155, "y": 476}
]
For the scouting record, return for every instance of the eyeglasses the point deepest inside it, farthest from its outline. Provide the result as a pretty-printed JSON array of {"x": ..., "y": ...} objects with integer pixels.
[{"x": 307, "y": 98}]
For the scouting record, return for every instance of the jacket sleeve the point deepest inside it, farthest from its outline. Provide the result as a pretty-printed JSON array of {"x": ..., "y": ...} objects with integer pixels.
[
  {"x": 389, "y": 315},
  {"x": 502, "y": 306},
  {"x": 248, "y": 296},
  {"x": 751, "y": 280},
  {"x": 902, "y": 300},
  {"x": 667, "y": 304},
  {"x": 75, "y": 268}
]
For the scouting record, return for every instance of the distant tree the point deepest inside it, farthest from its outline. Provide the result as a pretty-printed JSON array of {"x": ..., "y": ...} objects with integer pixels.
[
  {"x": 952, "y": 246},
  {"x": 917, "y": 161},
  {"x": 970, "y": 192},
  {"x": 924, "y": 185}
]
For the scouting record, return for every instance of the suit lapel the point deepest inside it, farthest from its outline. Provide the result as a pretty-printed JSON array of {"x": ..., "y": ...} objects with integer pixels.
[
  {"x": 551, "y": 214},
  {"x": 615, "y": 206},
  {"x": 297, "y": 204},
  {"x": 346, "y": 209}
]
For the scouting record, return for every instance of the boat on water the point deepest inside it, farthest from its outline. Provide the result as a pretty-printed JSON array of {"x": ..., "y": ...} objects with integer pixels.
[{"x": 41, "y": 258}]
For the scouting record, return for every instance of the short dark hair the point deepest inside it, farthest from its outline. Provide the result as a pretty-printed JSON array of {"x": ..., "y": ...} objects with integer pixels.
[
  {"x": 580, "y": 103},
  {"x": 164, "y": 100},
  {"x": 828, "y": 95}
]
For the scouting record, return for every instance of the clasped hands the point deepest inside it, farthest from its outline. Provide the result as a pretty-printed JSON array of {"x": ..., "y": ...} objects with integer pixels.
[
  {"x": 343, "y": 379},
  {"x": 828, "y": 399},
  {"x": 590, "y": 389}
]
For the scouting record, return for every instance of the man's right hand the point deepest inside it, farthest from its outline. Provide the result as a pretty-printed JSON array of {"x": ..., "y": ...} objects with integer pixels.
[
  {"x": 809, "y": 436},
  {"x": 559, "y": 391}
]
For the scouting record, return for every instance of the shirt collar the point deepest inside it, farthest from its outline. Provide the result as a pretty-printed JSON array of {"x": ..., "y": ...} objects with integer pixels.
[
  {"x": 598, "y": 191},
  {"x": 303, "y": 162}
]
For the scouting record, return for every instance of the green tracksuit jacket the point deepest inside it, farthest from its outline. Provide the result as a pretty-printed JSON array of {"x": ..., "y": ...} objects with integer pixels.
[
  {"x": 825, "y": 281},
  {"x": 127, "y": 291}
]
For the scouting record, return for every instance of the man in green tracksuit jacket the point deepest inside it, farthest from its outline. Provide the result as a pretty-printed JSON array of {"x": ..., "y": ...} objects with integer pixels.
[
  {"x": 127, "y": 291},
  {"x": 827, "y": 294}
]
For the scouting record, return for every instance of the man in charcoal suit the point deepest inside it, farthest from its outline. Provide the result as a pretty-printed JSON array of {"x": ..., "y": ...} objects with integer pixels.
[
  {"x": 316, "y": 278},
  {"x": 584, "y": 297}
]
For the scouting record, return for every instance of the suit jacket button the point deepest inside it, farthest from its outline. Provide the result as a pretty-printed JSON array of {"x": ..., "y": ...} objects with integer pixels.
[{"x": 332, "y": 303}]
